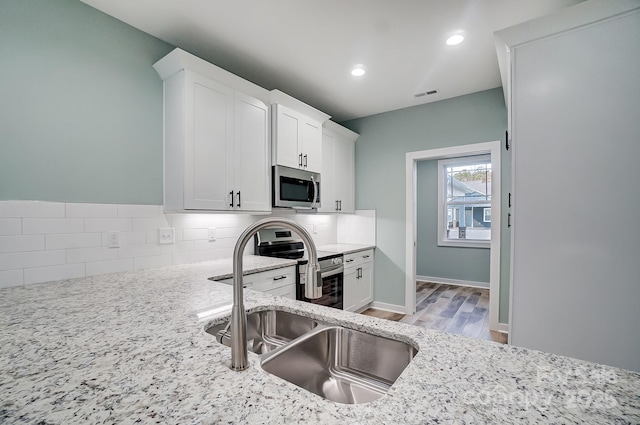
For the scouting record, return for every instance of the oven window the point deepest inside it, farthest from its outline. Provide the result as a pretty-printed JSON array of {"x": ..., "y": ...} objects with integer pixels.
[
  {"x": 331, "y": 292},
  {"x": 295, "y": 189}
]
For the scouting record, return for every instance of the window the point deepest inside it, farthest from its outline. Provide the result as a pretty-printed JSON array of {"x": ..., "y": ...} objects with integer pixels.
[
  {"x": 464, "y": 213},
  {"x": 487, "y": 215}
]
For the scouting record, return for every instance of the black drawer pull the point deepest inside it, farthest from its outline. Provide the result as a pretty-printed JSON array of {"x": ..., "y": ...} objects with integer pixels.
[
  {"x": 365, "y": 256},
  {"x": 280, "y": 277},
  {"x": 348, "y": 261}
]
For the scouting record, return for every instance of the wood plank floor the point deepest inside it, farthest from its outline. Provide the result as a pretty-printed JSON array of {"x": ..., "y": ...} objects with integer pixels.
[{"x": 449, "y": 308}]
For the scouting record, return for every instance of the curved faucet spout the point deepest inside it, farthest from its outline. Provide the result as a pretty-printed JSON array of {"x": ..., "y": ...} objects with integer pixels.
[{"x": 313, "y": 287}]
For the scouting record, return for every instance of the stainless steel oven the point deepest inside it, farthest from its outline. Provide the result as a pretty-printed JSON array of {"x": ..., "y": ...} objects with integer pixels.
[
  {"x": 283, "y": 243},
  {"x": 332, "y": 272}
]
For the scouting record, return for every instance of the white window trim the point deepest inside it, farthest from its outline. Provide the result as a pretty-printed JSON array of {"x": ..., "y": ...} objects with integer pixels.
[
  {"x": 442, "y": 206},
  {"x": 484, "y": 215}
]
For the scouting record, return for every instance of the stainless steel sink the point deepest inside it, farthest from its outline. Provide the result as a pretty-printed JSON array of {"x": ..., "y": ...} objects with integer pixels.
[
  {"x": 341, "y": 365},
  {"x": 267, "y": 330}
]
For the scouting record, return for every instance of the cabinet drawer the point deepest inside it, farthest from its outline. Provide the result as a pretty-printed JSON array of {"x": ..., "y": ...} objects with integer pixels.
[
  {"x": 273, "y": 279},
  {"x": 288, "y": 291},
  {"x": 356, "y": 259}
]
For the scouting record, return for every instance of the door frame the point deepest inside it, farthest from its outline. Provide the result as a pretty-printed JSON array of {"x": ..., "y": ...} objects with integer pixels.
[{"x": 412, "y": 158}]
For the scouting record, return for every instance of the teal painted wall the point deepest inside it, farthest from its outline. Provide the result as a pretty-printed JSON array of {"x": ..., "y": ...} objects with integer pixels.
[
  {"x": 81, "y": 106},
  {"x": 450, "y": 262},
  {"x": 380, "y": 166}
]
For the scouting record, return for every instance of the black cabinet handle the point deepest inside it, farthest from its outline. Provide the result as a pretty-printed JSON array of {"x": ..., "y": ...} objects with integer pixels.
[
  {"x": 336, "y": 205},
  {"x": 300, "y": 160},
  {"x": 340, "y": 205},
  {"x": 305, "y": 161},
  {"x": 279, "y": 277},
  {"x": 239, "y": 201},
  {"x": 506, "y": 140},
  {"x": 348, "y": 261},
  {"x": 231, "y": 204},
  {"x": 509, "y": 199},
  {"x": 365, "y": 256},
  {"x": 359, "y": 273},
  {"x": 509, "y": 220}
]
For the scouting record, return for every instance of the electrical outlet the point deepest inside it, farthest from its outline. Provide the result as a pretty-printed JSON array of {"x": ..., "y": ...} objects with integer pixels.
[
  {"x": 212, "y": 234},
  {"x": 315, "y": 229},
  {"x": 114, "y": 239},
  {"x": 167, "y": 235}
]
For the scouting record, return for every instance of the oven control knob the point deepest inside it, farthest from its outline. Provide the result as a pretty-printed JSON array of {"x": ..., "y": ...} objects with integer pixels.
[{"x": 335, "y": 261}]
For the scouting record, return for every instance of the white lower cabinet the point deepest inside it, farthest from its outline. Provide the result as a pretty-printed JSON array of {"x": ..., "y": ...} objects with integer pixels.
[
  {"x": 280, "y": 282},
  {"x": 358, "y": 280}
]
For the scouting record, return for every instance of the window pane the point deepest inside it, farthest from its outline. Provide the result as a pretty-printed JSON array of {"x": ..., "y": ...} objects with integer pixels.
[{"x": 468, "y": 200}]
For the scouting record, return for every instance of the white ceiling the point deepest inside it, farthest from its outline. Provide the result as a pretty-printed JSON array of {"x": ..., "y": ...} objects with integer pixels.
[{"x": 306, "y": 48}]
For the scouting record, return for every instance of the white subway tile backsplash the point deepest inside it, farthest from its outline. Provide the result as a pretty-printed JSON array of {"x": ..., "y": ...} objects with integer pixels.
[
  {"x": 110, "y": 266},
  {"x": 21, "y": 260},
  {"x": 41, "y": 241},
  {"x": 143, "y": 250},
  {"x": 83, "y": 255},
  {"x": 152, "y": 262},
  {"x": 127, "y": 238},
  {"x": 145, "y": 224},
  {"x": 21, "y": 243},
  {"x": 91, "y": 210},
  {"x": 48, "y": 274},
  {"x": 217, "y": 244},
  {"x": 195, "y": 234},
  {"x": 36, "y": 226},
  {"x": 9, "y": 278},
  {"x": 73, "y": 240},
  {"x": 10, "y": 226},
  {"x": 140, "y": 211},
  {"x": 193, "y": 257},
  {"x": 179, "y": 246},
  {"x": 25, "y": 209},
  {"x": 108, "y": 224}
]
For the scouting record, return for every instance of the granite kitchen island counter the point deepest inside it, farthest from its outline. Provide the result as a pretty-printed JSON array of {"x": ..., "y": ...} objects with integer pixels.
[{"x": 131, "y": 348}]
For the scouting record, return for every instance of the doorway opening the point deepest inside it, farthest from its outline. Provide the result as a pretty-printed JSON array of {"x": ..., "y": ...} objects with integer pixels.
[{"x": 493, "y": 213}]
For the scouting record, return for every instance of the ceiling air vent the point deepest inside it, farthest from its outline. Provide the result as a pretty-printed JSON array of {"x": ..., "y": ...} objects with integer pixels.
[{"x": 427, "y": 93}]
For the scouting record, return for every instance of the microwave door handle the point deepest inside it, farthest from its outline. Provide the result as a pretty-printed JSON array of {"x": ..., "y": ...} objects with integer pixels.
[{"x": 315, "y": 192}]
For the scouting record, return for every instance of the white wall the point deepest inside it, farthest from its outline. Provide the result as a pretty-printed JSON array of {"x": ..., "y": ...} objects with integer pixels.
[{"x": 576, "y": 235}]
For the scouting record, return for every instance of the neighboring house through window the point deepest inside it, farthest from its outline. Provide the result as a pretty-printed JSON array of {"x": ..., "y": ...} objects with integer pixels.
[{"x": 464, "y": 198}]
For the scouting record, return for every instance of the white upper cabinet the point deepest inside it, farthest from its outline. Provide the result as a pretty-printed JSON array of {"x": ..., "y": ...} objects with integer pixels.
[
  {"x": 216, "y": 139},
  {"x": 338, "y": 169},
  {"x": 296, "y": 133},
  {"x": 297, "y": 140},
  {"x": 252, "y": 169}
]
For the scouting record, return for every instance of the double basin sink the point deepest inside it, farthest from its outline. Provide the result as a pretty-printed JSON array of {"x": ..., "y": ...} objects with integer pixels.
[{"x": 340, "y": 364}]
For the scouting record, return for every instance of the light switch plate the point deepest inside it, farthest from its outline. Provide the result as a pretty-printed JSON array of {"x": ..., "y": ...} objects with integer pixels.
[{"x": 167, "y": 235}]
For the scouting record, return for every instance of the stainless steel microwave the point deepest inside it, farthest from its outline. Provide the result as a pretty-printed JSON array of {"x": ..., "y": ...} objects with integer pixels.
[{"x": 294, "y": 188}]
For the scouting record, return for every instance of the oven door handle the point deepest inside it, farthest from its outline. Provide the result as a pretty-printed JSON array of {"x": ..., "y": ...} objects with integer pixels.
[{"x": 332, "y": 272}]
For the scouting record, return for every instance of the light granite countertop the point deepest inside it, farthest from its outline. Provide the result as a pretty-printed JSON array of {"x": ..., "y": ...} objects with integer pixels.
[
  {"x": 251, "y": 264},
  {"x": 345, "y": 248},
  {"x": 131, "y": 348}
]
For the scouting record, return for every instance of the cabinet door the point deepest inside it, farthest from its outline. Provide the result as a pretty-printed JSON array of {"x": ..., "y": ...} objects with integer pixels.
[
  {"x": 327, "y": 175},
  {"x": 287, "y": 130},
  {"x": 311, "y": 146},
  {"x": 365, "y": 285},
  {"x": 344, "y": 174},
  {"x": 252, "y": 169},
  {"x": 208, "y": 143},
  {"x": 350, "y": 290}
]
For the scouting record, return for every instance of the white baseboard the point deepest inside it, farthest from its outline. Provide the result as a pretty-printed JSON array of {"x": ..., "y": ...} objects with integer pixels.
[
  {"x": 393, "y": 308},
  {"x": 445, "y": 281}
]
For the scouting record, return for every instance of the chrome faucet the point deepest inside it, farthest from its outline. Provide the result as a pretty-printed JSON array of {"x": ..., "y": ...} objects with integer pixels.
[{"x": 313, "y": 286}]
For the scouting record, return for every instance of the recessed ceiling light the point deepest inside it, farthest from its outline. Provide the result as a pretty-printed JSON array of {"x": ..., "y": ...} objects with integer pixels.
[
  {"x": 358, "y": 71},
  {"x": 455, "y": 39}
]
